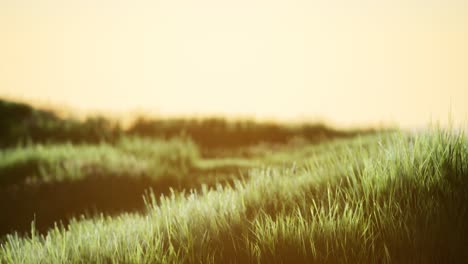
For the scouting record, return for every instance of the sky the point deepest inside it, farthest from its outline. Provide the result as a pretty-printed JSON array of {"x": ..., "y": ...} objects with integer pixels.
[{"x": 349, "y": 63}]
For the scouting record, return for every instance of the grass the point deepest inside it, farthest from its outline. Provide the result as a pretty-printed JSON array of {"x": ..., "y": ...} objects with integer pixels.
[
  {"x": 56, "y": 182},
  {"x": 130, "y": 156},
  {"x": 393, "y": 198}
]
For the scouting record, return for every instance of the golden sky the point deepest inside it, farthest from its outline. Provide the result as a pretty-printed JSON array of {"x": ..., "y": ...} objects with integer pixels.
[{"x": 347, "y": 62}]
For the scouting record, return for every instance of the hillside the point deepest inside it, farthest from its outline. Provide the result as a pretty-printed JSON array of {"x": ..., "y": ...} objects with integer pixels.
[
  {"x": 378, "y": 199},
  {"x": 53, "y": 169},
  {"x": 221, "y": 191}
]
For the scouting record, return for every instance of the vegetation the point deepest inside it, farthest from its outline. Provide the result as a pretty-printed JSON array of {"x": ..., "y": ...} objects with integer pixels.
[
  {"x": 388, "y": 198},
  {"x": 54, "y": 182},
  {"x": 217, "y": 191},
  {"x": 22, "y": 123},
  {"x": 96, "y": 166},
  {"x": 131, "y": 157}
]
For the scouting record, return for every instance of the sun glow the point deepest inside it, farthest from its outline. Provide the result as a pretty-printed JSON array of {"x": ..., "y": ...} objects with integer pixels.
[{"x": 400, "y": 62}]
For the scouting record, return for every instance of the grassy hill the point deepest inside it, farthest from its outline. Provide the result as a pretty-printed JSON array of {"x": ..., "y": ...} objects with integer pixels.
[
  {"x": 390, "y": 198},
  {"x": 219, "y": 191},
  {"x": 95, "y": 166}
]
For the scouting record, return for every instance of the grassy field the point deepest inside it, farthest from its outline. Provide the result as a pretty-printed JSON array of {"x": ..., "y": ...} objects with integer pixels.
[
  {"x": 382, "y": 198},
  {"x": 54, "y": 167}
]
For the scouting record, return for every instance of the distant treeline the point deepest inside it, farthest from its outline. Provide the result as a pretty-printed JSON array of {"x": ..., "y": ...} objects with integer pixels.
[{"x": 21, "y": 123}]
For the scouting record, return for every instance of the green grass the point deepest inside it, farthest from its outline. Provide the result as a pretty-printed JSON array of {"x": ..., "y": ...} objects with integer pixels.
[
  {"x": 130, "y": 157},
  {"x": 395, "y": 198}
]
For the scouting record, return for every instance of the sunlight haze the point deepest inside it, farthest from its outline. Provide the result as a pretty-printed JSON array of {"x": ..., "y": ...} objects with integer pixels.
[{"x": 346, "y": 62}]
